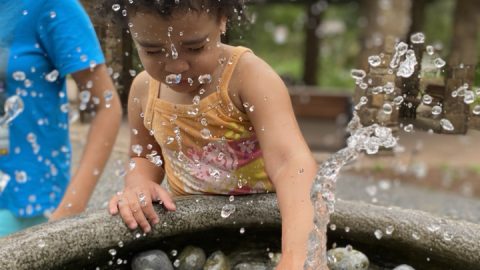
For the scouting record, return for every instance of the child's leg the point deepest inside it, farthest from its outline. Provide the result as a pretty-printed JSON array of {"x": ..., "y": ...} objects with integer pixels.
[{"x": 10, "y": 223}]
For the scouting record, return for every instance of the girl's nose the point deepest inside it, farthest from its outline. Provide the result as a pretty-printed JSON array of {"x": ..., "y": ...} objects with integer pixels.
[{"x": 176, "y": 66}]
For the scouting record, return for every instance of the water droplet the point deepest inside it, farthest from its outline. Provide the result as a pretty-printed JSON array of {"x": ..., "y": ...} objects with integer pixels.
[
  {"x": 84, "y": 96},
  {"x": 430, "y": 50},
  {"x": 173, "y": 78},
  {"x": 389, "y": 230},
  {"x": 12, "y": 108},
  {"x": 19, "y": 76},
  {"x": 407, "y": 67},
  {"x": 433, "y": 227},
  {"x": 174, "y": 252},
  {"x": 52, "y": 76},
  {"x": 132, "y": 72},
  {"x": 415, "y": 236},
  {"x": 436, "y": 110},
  {"x": 116, "y": 7},
  {"x": 378, "y": 234},
  {"x": 21, "y": 176},
  {"x": 137, "y": 149},
  {"x": 205, "y": 133},
  {"x": 374, "y": 60},
  {"x": 408, "y": 128},
  {"x": 227, "y": 210},
  {"x": 170, "y": 139},
  {"x": 469, "y": 97},
  {"x": 41, "y": 243},
  {"x": 131, "y": 164},
  {"x": 439, "y": 62},
  {"x": 196, "y": 100},
  {"x": 333, "y": 227},
  {"x": 476, "y": 110},
  {"x": 112, "y": 252},
  {"x": 417, "y": 38},
  {"x": 4, "y": 179},
  {"x": 25, "y": 12},
  {"x": 358, "y": 74},
  {"x": 242, "y": 230},
  {"x": 398, "y": 100},
  {"x": 388, "y": 88},
  {"x": 108, "y": 95},
  {"x": 174, "y": 51},
  {"x": 387, "y": 108},
  {"x": 204, "y": 79},
  {"x": 446, "y": 124},
  {"x": 231, "y": 198},
  {"x": 347, "y": 229},
  {"x": 176, "y": 263},
  {"x": 447, "y": 236},
  {"x": 427, "y": 99}
]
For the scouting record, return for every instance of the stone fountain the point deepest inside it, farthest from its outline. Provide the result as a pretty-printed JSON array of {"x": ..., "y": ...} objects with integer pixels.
[{"x": 419, "y": 239}]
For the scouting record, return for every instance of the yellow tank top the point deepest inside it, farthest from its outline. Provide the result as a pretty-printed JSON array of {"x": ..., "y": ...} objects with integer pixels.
[{"x": 209, "y": 147}]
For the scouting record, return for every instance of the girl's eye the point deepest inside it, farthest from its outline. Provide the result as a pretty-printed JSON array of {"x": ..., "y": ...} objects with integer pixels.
[
  {"x": 153, "y": 52},
  {"x": 196, "y": 49}
]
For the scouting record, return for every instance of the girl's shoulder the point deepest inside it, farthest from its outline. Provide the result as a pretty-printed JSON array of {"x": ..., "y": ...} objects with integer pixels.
[
  {"x": 252, "y": 71},
  {"x": 140, "y": 88}
]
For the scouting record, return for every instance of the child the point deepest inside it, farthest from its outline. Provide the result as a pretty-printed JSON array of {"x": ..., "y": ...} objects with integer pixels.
[{"x": 214, "y": 118}]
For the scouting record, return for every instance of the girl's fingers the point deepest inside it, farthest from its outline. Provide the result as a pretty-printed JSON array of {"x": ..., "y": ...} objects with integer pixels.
[
  {"x": 145, "y": 201},
  {"x": 113, "y": 203},
  {"x": 135, "y": 202},
  {"x": 126, "y": 213},
  {"x": 165, "y": 197}
]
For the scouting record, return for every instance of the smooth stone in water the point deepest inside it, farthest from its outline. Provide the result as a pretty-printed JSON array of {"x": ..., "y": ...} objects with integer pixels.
[
  {"x": 347, "y": 259},
  {"x": 152, "y": 260},
  {"x": 191, "y": 258},
  {"x": 217, "y": 261},
  {"x": 404, "y": 267}
]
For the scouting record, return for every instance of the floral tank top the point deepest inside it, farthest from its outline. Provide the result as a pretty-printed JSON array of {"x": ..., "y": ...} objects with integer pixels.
[{"x": 209, "y": 147}]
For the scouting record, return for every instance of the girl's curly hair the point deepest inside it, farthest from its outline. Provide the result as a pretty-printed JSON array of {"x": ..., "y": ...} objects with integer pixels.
[{"x": 118, "y": 10}]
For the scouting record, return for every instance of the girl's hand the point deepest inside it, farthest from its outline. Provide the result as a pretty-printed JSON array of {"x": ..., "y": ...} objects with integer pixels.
[{"x": 135, "y": 204}]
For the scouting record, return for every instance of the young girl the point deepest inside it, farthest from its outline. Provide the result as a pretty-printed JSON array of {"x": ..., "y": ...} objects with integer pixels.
[{"x": 214, "y": 118}]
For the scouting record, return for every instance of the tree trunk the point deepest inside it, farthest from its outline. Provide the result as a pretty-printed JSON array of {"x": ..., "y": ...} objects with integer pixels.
[{"x": 312, "y": 46}]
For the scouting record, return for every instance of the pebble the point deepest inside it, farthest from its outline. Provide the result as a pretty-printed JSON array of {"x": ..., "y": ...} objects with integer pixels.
[
  {"x": 152, "y": 260},
  {"x": 191, "y": 258},
  {"x": 217, "y": 261},
  {"x": 347, "y": 259}
]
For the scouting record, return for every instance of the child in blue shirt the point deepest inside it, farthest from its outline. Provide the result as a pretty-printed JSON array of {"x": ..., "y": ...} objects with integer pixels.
[{"x": 41, "y": 42}]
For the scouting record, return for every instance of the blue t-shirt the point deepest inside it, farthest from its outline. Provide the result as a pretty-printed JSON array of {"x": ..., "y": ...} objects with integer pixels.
[{"x": 45, "y": 38}]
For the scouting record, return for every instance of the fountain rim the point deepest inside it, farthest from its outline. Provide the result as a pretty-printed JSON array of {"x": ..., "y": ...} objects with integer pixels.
[{"x": 77, "y": 237}]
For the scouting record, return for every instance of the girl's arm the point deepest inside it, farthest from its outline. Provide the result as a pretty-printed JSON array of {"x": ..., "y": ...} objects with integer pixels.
[
  {"x": 288, "y": 160},
  {"x": 100, "y": 141},
  {"x": 142, "y": 183}
]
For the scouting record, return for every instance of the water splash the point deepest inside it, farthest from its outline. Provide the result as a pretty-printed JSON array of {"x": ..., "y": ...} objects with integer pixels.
[
  {"x": 369, "y": 139},
  {"x": 13, "y": 107}
]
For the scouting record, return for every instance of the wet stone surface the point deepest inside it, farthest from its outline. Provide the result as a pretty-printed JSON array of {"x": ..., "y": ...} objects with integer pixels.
[{"x": 152, "y": 260}]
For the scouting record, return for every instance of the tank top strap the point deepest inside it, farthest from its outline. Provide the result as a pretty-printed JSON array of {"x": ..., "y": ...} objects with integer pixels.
[
  {"x": 153, "y": 89},
  {"x": 228, "y": 71}
]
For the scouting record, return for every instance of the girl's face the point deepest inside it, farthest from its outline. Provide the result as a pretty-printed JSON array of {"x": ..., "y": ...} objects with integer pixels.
[{"x": 187, "y": 43}]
